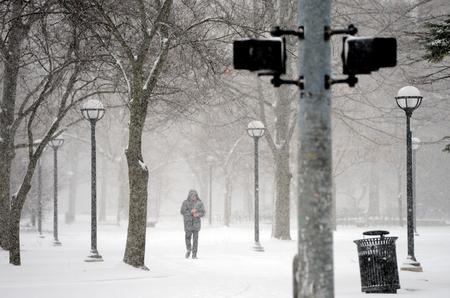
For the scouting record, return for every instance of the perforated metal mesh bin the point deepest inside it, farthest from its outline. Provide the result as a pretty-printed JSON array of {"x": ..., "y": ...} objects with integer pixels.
[{"x": 378, "y": 263}]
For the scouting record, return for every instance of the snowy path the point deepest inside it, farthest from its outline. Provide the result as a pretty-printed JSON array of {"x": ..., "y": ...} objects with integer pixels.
[{"x": 227, "y": 265}]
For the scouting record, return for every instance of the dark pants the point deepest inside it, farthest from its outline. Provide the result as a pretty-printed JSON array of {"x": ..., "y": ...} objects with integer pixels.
[{"x": 188, "y": 236}]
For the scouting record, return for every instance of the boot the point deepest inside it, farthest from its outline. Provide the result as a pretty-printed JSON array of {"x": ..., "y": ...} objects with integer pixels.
[
  {"x": 188, "y": 254},
  {"x": 194, "y": 255}
]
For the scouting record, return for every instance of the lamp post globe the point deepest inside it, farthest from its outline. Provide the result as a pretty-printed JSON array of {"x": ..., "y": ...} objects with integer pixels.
[
  {"x": 93, "y": 111},
  {"x": 409, "y": 99},
  {"x": 416, "y": 144},
  {"x": 256, "y": 130}
]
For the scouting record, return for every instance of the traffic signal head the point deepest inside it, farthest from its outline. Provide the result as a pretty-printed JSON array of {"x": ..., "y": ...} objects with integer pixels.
[
  {"x": 362, "y": 55},
  {"x": 265, "y": 56}
]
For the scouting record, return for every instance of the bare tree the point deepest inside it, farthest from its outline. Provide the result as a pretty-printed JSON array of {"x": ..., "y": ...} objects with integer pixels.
[
  {"x": 137, "y": 39},
  {"x": 36, "y": 101},
  {"x": 15, "y": 28},
  {"x": 57, "y": 90}
]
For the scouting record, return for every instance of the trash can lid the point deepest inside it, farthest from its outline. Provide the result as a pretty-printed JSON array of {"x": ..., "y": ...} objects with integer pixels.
[{"x": 376, "y": 233}]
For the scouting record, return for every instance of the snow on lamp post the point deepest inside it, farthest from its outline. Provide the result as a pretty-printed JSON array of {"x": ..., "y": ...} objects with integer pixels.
[
  {"x": 93, "y": 111},
  {"x": 256, "y": 130},
  {"x": 55, "y": 144},
  {"x": 409, "y": 99}
]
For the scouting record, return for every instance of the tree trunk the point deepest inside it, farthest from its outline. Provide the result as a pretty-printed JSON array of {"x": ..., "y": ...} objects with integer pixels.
[
  {"x": 6, "y": 157},
  {"x": 283, "y": 176},
  {"x": 11, "y": 56},
  {"x": 281, "y": 225},
  {"x": 138, "y": 177},
  {"x": 137, "y": 218},
  {"x": 14, "y": 236},
  {"x": 227, "y": 203},
  {"x": 17, "y": 203}
]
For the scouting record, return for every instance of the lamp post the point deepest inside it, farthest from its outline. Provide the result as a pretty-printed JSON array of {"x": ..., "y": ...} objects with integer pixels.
[
  {"x": 55, "y": 144},
  {"x": 93, "y": 111},
  {"x": 409, "y": 99},
  {"x": 40, "y": 198},
  {"x": 415, "y": 146},
  {"x": 256, "y": 130},
  {"x": 210, "y": 162}
]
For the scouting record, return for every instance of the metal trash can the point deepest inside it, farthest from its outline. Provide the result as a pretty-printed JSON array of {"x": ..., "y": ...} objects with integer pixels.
[{"x": 378, "y": 263}]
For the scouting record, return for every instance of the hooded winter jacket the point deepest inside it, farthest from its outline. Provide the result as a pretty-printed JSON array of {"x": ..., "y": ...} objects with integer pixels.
[{"x": 192, "y": 223}]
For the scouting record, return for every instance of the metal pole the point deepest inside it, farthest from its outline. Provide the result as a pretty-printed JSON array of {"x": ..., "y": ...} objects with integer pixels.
[
  {"x": 95, "y": 254},
  {"x": 411, "y": 263},
  {"x": 40, "y": 198},
  {"x": 313, "y": 276},
  {"x": 409, "y": 194},
  {"x": 55, "y": 196},
  {"x": 256, "y": 193},
  {"x": 210, "y": 195},
  {"x": 258, "y": 246}
]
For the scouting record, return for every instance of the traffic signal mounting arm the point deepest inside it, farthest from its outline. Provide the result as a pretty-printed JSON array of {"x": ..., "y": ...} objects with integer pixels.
[{"x": 360, "y": 55}]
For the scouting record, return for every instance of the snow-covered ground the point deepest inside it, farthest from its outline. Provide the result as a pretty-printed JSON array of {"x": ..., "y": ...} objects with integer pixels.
[{"x": 227, "y": 264}]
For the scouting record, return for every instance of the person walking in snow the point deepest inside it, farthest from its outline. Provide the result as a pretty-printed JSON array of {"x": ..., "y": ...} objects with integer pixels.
[{"x": 192, "y": 210}]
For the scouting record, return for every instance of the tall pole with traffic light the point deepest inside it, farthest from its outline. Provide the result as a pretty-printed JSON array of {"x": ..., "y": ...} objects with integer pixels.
[
  {"x": 315, "y": 225},
  {"x": 313, "y": 265}
]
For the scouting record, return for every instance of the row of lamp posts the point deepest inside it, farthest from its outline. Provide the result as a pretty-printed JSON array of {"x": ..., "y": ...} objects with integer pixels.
[
  {"x": 55, "y": 144},
  {"x": 408, "y": 99},
  {"x": 92, "y": 111}
]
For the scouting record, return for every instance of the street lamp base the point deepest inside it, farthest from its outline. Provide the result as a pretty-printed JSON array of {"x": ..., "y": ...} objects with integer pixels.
[
  {"x": 411, "y": 265},
  {"x": 258, "y": 247},
  {"x": 94, "y": 258}
]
